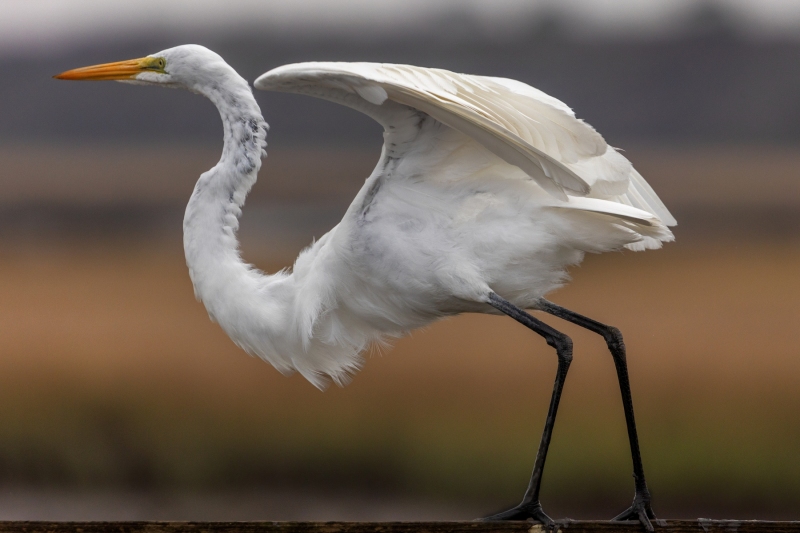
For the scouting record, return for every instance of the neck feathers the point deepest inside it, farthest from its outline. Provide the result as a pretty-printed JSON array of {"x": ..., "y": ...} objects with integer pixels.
[
  {"x": 222, "y": 281},
  {"x": 212, "y": 216},
  {"x": 245, "y": 131},
  {"x": 290, "y": 320}
]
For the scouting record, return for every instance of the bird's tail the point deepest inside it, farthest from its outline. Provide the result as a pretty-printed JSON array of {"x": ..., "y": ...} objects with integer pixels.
[{"x": 603, "y": 225}]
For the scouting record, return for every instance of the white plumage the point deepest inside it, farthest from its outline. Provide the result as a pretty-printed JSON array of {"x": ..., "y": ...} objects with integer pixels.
[
  {"x": 486, "y": 191},
  {"x": 484, "y": 184},
  {"x": 521, "y": 125}
]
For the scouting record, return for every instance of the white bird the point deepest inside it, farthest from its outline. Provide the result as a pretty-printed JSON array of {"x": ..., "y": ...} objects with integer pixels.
[{"x": 486, "y": 191}]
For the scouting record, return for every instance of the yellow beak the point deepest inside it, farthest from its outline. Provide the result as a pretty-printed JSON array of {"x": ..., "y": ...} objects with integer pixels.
[{"x": 121, "y": 70}]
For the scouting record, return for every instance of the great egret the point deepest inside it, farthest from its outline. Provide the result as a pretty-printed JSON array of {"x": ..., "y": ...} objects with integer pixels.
[{"x": 486, "y": 190}]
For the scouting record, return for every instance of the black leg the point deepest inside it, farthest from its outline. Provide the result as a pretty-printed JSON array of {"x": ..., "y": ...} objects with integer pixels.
[
  {"x": 530, "y": 506},
  {"x": 640, "y": 510}
]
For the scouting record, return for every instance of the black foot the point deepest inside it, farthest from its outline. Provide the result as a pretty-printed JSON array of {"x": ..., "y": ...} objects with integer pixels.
[
  {"x": 523, "y": 511},
  {"x": 640, "y": 510}
]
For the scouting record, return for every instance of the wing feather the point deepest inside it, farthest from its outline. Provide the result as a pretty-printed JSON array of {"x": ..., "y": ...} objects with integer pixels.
[
  {"x": 436, "y": 94},
  {"x": 518, "y": 123}
]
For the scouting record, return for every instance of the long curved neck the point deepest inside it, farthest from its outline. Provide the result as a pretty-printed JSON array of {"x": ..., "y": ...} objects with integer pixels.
[{"x": 219, "y": 275}]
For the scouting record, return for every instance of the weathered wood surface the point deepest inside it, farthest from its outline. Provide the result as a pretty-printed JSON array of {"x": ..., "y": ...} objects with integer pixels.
[{"x": 564, "y": 526}]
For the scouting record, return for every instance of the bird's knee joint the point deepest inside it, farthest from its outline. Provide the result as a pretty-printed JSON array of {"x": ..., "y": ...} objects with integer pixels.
[
  {"x": 614, "y": 338},
  {"x": 563, "y": 346}
]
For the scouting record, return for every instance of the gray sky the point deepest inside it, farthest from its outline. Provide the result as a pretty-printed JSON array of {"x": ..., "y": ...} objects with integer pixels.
[{"x": 39, "y": 25}]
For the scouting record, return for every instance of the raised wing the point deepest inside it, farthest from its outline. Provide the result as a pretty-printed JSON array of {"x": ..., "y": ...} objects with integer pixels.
[{"x": 521, "y": 125}]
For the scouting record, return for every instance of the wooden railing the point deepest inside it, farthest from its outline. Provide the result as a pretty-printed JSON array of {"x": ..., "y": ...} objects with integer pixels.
[{"x": 563, "y": 526}]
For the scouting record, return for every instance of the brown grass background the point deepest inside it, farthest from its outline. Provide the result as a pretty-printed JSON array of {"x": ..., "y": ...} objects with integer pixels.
[{"x": 113, "y": 378}]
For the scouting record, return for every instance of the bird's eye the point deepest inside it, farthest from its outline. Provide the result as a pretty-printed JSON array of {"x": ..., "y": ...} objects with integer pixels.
[{"x": 156, "y": 64}]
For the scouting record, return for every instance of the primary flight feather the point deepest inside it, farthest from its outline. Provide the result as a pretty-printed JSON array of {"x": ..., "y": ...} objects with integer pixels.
[{"x": 486, "y": 191}]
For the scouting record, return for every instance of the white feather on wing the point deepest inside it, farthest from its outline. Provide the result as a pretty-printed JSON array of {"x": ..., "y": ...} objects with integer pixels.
[{"x": 518, "y": 123}]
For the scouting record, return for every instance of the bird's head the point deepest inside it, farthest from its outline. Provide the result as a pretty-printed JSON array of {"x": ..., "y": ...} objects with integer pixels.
[{"x": 189, "y": 66}]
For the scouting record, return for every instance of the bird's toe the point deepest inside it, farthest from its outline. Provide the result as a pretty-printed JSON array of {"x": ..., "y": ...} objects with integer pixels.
[
  {"x": 640, "y": 511},
  {"x": 523, "y": 511}
]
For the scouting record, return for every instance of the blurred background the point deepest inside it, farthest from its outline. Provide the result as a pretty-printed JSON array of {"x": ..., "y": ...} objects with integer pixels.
[{"x": 119, "y": 399}]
